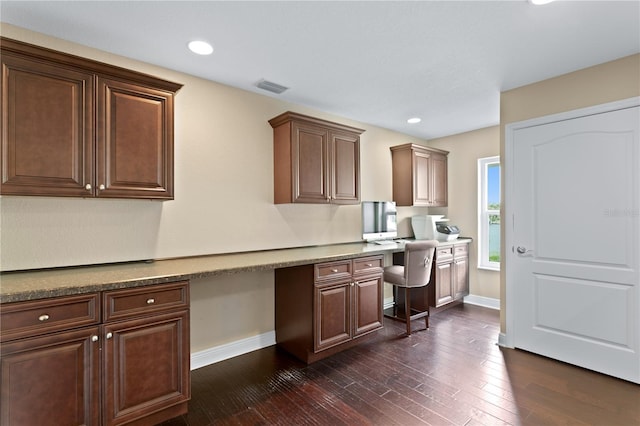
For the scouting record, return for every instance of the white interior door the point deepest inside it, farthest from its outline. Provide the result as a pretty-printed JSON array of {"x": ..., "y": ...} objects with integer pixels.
[{"x": 573, "y": 240}]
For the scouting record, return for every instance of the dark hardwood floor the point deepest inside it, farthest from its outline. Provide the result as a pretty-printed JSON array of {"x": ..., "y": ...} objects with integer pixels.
[{"x": 452, "y": 374}]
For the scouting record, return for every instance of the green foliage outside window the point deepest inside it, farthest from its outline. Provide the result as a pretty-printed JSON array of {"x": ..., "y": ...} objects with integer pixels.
[{"x": 494, "y": 234}]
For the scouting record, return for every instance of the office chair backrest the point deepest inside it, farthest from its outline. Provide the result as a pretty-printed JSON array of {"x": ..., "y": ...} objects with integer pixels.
[{"x": 418, "y": 257}]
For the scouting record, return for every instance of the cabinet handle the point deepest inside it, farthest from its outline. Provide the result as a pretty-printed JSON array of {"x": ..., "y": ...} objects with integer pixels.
[
  {"x": 101, "y": 187},
  {"x": 368, "y": 265},
  {"x": 151, "y": 301},
  {"x": 88, "y": 187},
  {"x": 334, "y": 271},
  {"x": 94, "y": 338},
  {"x": 44, "y": 317},
  {"x": 109, "y": 335}
]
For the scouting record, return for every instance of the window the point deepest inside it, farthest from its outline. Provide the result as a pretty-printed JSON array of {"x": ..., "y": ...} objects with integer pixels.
[{"x": 489, "y": 213}]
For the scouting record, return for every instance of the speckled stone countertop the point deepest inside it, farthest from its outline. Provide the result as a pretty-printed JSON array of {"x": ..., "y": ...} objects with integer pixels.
[{"x": 41, "y": 284}]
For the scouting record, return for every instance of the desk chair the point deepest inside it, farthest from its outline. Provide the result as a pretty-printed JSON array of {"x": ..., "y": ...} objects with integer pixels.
[{"x": 416, "y": 272}]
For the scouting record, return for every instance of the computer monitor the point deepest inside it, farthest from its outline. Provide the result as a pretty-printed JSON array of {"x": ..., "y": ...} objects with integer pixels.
[{"x": 379, "y": 220}]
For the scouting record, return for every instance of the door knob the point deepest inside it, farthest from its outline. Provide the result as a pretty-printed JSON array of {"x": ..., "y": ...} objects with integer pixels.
[{"x": 523, "y": 250}]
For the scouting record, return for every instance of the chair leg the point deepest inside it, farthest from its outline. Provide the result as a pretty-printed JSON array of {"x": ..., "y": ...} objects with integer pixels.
[
  {"x": 426, "y": 319},
  {"x": 407, "y": 308}
]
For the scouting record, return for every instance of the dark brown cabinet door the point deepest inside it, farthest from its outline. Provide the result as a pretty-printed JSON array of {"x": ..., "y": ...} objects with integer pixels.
[
  {"x": 422, "y": 182},
  {"x": 146, "y": 366},
  {"x": 345, "y": 155},
  {"x": 32, "y": 395},
  {"x": 332, "y": 314},
  {"x": 47, "y": 129},
  {"x": 134, "y": 141},
  {"x": 461, "y": 279},
  {"x": 368, "y": 304},
  {"x": 439, "y": 180},
  {"x": 310, "y": 163},
  {"x": 444, "y": 281}
]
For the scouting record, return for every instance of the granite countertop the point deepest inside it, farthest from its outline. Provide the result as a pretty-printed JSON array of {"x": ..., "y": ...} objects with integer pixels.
[{"x": 40, "y": 284}]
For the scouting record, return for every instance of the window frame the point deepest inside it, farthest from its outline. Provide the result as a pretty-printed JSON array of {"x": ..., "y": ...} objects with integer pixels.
[{"x": 484, "y": 213}]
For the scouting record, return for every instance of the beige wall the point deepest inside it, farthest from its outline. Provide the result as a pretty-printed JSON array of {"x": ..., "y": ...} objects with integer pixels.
[
  {"x": 464, "y": 151},
  {"x": 608, "y": 82},
  {"x": 224, "y": 191},
  {"x": 223, "y": 202}
]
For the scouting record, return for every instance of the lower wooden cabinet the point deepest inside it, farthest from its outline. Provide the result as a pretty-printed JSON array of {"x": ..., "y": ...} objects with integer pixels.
[
  {"x": 449, "y": 282},
  {"x": 461, "y": 271},
  {"x": 450, "y": 275},
  {"x": 51, "y": 379},
  {"x": 146, "y": 369},
  {"x": 325, "y": 308},
  {"x": 332, "y": 314},
  {"x": 131, "y": 367}
]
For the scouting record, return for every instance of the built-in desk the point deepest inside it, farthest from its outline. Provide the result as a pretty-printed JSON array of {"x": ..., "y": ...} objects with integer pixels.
[
  {"x": 105, "y": 321},
  {"x": 121, "y": 331},
  {"x": 41, "y": 284}
]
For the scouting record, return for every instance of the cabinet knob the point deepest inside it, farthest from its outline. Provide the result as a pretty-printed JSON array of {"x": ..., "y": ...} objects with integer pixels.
[
  {"x": 109, "y": 335},
  {"x": 94, "y": 338},
  {"x": 151, "y": 301},
  {"x": 101, "y": 187},
  {"x": 44, "y": 317},
  {"x": 334, "y": 270},
  {"x": 368, "y": 265},
  {"x": 88, "y": 187}
]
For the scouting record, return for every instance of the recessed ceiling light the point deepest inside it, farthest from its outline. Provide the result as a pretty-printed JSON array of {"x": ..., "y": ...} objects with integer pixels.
[
  {"x": 414, "y": 120},
  {"x": 200, "y": 47},
  {"x": 540, "y": 2}
]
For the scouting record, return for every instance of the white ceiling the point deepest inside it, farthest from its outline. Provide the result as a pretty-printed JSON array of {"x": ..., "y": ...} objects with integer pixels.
[{"x": 378, "y": 62}]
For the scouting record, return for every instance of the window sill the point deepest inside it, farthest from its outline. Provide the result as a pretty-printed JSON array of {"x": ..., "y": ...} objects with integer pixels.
[{"x": 489, "y": 268}]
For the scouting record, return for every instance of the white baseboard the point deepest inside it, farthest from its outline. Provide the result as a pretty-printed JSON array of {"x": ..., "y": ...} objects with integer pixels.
[
  {"x": 229, "y": 350},
  {"x": 487, "y": 302},
  {"x": 388, "y": 303},
  {"x": 504, "y": 341},
  {"x": 250, "y": 344},
  {"x": 471, "y": 299}
]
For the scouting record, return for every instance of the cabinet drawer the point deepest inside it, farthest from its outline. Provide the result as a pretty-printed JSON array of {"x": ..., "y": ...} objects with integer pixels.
[
  {"x": 22, "y": 319},
  {"x": 367, "y": 264},
  {"x": 460, "y": 250},
  {"x": 327, "y": 271},
  {"x": 139, "y": 301},
  {"x": 444, "y": 254}
]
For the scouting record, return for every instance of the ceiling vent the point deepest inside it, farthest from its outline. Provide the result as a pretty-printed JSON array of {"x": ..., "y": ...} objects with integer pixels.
[{"x": 271, "y": 87}]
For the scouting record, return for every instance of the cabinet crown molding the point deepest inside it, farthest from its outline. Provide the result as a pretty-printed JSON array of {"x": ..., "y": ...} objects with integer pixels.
[
  {"x": 290, "y": 116},
  {"x": 66, "y": 59},
  {"x": 415, "y": 146}
]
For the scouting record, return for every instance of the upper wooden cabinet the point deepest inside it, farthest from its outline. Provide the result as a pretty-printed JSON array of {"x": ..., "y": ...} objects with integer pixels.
[
  {"x": 315, "y": 161},
  {"x": 76, "y": 127},
  {"x": 419, "y": 175}
]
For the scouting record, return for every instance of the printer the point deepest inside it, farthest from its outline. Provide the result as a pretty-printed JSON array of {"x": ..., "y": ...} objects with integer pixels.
[{"x": 433, "y": 227}]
